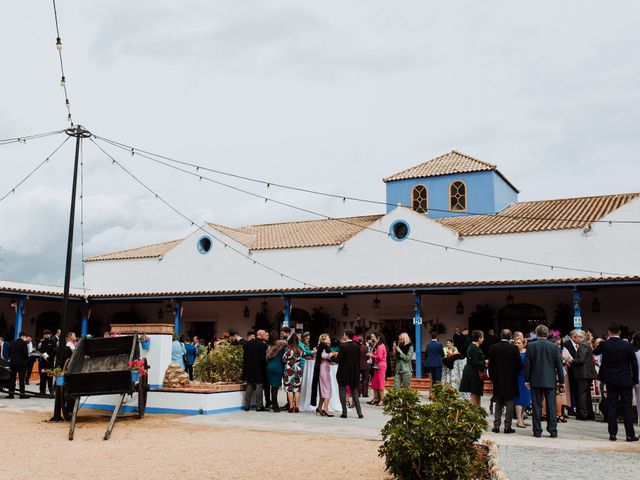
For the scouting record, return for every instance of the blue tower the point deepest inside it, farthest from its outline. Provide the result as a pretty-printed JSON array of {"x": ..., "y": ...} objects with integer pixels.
[{"x": 450, "y": 185}]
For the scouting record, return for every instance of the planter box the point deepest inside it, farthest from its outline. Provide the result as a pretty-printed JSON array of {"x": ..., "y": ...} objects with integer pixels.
[{"x": 207, "y": 388}]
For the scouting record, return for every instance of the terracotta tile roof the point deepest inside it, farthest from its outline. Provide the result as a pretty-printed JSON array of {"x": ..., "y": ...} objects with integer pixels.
[
  {"x": 36, "y": 289},
  {"x": 148, "y": 251},
  {"x": 389, "y": 288},
  {"x": 539, "y": 216},
  {"x": 312, "y": 233}
]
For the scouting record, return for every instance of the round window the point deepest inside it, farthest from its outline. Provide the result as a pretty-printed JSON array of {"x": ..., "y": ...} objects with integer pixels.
[
  {"x": 204, "y": 245},
  {"x": 399, "y": 230}
]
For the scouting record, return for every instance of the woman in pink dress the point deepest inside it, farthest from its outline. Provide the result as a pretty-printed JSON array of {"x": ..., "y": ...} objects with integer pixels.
[
  {"x": 322, "y": 376},
  {"x": 379, "y": 356}
]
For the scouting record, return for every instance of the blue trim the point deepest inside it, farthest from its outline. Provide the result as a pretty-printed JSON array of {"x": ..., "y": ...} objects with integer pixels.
[
  {"x": 200, "y": 248},
  {"x": 19, "y": 308},
  {"x": 178, "y": 317},
  {"x": 84, "y": 321},
  {"x": 392, "y": 233},
  {"x": 156, "y": 410},
  {"x": 286, "y": 321}
]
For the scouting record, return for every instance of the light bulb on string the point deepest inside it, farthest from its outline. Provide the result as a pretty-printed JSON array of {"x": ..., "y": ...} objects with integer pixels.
[
  {"x": 63, "y": 82},
  {"x": 59, "y": 44}
]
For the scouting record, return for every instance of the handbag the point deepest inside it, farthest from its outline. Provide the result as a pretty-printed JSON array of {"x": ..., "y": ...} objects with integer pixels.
[{"x": 482, "y": 375}]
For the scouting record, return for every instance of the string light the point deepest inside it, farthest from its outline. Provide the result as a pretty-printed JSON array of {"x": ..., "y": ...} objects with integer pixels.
[
  {"x": 344, "y": 198},
  {"x": 63, "y": 80},
  {"x": 178, "y": 212},
  {"x": 58, "y": 43},
  {"x": 346, "y": 221}
]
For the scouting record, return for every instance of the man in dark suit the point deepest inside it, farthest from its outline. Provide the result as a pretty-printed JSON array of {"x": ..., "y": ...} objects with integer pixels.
[
  {"x": 433, "y": 361},
  {"x": 504, "y": 365},
  {"x": 572, "y": 346},
  {"x": 584, "y": 371},
  {"x": 490, "y": 339},
  {"x": 349, "y": 372},
  {"x": 255, "y": 370},
  {"x": 619, "y": 372},
  {"x": 18, "y": 359},
  {"x": 458, "y": 339},
  {"x": 47, "y": 348},
  {"x": 543, "y": 373}
]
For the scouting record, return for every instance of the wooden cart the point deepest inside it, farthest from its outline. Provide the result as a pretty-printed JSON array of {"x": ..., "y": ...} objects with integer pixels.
[{"x": 99, "y": 366}]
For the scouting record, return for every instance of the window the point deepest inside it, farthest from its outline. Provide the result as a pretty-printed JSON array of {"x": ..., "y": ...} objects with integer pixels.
[
  {"x": 204, "y": 245},
  {"x": 399, "y": 230},
  {"x": 458, "y": 196},
  {"x": 419, "y": 200}
]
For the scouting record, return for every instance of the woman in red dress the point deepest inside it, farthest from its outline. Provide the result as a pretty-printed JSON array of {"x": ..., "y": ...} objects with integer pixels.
[{"x": 379, "y": 356}]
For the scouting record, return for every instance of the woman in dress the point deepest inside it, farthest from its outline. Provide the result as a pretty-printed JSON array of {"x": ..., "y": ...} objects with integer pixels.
[
  {"x": 471, "y": 381},
  {"x": 524, "y": 400},
  {"x": 293, "y": 373},
  {"x": 379, "y": 356},
  {"x": 404, "y": 354},
  {"x": 275, "y": 367},
  {"x": 450, "y": 353},
  {"x": 307, "y": 352},
  {"x": 177, "y": 351},
  {"x": 322, "y": 376}
]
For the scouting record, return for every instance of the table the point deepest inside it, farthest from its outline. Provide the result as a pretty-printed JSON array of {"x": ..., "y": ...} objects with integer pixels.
[{"x": 305, "y": 391}]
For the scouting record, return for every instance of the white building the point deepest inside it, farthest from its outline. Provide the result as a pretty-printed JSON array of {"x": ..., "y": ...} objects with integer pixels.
[{"x": 462, "y": 241}]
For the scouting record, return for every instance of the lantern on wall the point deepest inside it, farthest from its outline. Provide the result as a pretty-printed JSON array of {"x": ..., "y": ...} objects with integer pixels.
[
  {"x": 246, "y": 313},
  {"x": 595, "y": 305},
  {"x": 377, "y": 303},
  {"x": 265, "y": 306},
  {"x": 460, "y": 308},
  {"x": 160, "y": 313},
  {"x": 509, "y": 298},
  {"x": 345, "y": 310}
]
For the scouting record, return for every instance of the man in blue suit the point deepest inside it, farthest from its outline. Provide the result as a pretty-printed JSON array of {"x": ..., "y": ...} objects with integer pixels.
[
  {"x": 433, "y": 362},
  {"x": 619, "y": 372}
]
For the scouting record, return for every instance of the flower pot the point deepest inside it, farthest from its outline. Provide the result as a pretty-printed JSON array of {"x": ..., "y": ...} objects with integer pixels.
[
  {"x": 60, "y": 380},
  {"x": 135, "y": 376},
  {"x": 145, "y": 344}
]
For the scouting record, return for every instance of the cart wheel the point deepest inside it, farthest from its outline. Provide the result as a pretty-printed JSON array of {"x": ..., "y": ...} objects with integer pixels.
[{"x": 143, "y": 388}]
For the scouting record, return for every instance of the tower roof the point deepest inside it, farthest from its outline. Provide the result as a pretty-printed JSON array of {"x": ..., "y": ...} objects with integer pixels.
[{"x": 448, "y": 164}]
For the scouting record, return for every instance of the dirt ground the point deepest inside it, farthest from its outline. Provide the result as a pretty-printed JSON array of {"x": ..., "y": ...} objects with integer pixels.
[{"x": 159, "y": 448}]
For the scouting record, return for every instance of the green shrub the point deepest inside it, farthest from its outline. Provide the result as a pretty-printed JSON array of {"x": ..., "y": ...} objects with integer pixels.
[
  {"x": 222, "y": 364},
  {"x": 433, "y": 441}
]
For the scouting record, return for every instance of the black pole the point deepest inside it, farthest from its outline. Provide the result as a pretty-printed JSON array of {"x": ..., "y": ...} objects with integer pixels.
[{"x": 79, "y": 133}]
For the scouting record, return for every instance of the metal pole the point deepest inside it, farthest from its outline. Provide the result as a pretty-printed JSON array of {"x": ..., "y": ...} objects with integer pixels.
[
  {"x": 177, "y": 324},
  {"x": 287, "y": 313},
  {"x": 19, "y": 309},
  {"x": 577, "y": 317},
  {"x": 79, "y": 133},
  {"x": 417, "y": 321},
  {"x": 84, "y": 322}
]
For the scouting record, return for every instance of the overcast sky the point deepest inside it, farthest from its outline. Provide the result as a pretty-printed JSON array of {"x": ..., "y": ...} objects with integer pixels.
[{"x": 330, "y": 95}]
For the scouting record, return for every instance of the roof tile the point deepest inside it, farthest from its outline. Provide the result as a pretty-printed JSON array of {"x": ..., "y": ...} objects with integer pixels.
[{"x": 148, "y": 251}]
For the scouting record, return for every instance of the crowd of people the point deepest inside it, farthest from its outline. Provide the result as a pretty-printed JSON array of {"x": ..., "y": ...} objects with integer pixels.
[
  {"x": 21, "y": 355},
  {"x": 552, "y": 377}
]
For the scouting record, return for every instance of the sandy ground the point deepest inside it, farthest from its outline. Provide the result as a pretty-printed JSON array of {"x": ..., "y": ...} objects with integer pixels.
[{"x": 159, "y": 447}]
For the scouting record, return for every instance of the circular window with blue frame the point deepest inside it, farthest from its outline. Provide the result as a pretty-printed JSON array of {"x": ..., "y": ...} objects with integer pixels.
[
  {"x": 204, "y": 244},
  {"x": 399, "y": 230}
]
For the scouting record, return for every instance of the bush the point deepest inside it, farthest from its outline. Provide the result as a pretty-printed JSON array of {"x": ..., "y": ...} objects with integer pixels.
[
  {"x": 433, "y": 441},
  {"x": 222, "y": 364}
]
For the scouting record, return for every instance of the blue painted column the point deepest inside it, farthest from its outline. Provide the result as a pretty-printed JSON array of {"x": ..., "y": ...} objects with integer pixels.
[
  {"x": 417, "y": 322},
  {"x": 84, "y": 320},
  {"x": 577, "y": 317},
  {"x": 287, "y": 313},
  {"x": 177, "y": 325},
  {"x": 19, "y": 309}
]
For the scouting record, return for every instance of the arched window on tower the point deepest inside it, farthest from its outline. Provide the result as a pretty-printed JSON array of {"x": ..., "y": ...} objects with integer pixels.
[
  {"x": 419, "y": 199},
  {"x": 458, "y": 196}
]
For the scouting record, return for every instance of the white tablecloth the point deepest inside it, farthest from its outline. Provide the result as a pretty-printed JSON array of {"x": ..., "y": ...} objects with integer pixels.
[{"x": 305, "y": 392}]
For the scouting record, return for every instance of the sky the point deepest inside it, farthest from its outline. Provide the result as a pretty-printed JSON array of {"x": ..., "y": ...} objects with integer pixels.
[{"x": 328, "y": 95}]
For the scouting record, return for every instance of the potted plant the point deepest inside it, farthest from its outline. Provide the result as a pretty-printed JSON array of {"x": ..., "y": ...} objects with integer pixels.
[
  {"x": 137, "y": 370},
  {"x": 56, "y": 373},
  {"x": 144, "y": 340}
]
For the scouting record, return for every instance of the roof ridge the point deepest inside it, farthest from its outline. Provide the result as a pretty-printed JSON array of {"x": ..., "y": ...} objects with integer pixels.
[
  {"x": 492, "y": 165},
  {"x": 379, "y": 215},
  {"x": 134, "y": 248},
  {"x": 399, "y": 175},
  {"x": 632, "y": 194}
]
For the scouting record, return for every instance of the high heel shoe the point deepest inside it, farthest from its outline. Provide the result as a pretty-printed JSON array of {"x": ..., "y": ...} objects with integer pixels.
[
  {"x": 296, "y": 410},
  {"x": 371, "y": 402},
  {"x": 376, "y": 403},
  {"x": 319, "y": 412},
  {"x": 327, "y": 414}
]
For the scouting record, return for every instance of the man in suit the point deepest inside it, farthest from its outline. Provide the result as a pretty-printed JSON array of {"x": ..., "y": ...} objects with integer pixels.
[
  {"x": 504, "y": 365},
  {"x": 433, "y": 361},
  {"x": 349, "y": 372},
  {"x": 458, "y": 339},
  {"x": 584, "y": 371},
  {"x": 543, "y": 373},
  {"x": 46, "y": 347},
  {"x": 18, "y": 359},
  {"x": 255, "y": 370},
  {"x": 4, "y": 350},
  {"x": 572, "y": 346},
  {"x": 619, "y": 372},
  {"x": 490, "y": 339}
]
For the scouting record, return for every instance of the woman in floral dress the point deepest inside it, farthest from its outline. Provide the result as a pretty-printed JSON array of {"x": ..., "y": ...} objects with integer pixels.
[{"x": 293, "y": 373}]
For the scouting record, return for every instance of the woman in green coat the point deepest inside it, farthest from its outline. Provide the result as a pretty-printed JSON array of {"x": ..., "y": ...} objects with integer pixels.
[
  {"x": 471, "y": 381},
  {"x": 404, "y": 354}
]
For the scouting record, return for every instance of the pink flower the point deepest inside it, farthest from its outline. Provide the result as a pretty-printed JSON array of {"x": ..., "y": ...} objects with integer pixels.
[{"x": 42, "y": 371}]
